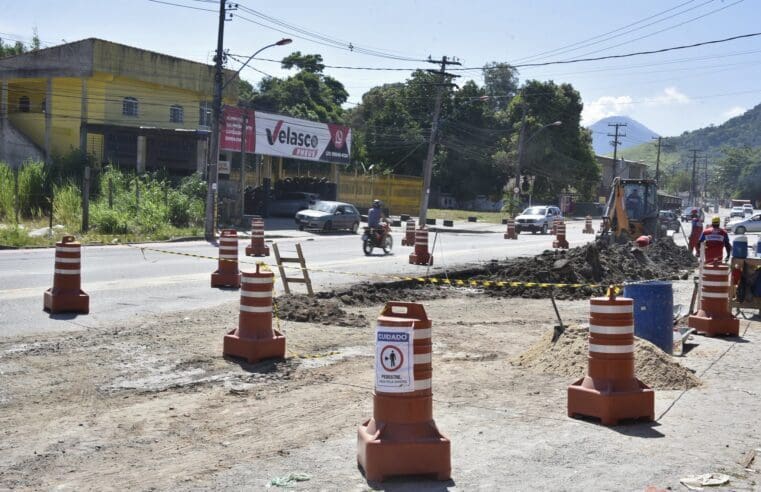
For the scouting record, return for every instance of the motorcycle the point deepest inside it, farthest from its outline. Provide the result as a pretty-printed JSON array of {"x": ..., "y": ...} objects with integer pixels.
[{"x": 374, "y": 238}]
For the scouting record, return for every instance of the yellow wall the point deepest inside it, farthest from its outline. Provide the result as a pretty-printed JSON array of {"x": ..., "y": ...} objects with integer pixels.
[{"x": 401, "y": 194}]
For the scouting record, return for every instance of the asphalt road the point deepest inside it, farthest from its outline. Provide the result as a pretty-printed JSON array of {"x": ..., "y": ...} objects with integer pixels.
[{"x": 125, "y": 282}]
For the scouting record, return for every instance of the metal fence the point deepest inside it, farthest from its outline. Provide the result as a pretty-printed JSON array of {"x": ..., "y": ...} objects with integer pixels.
[{"x": 399, "y": 194}]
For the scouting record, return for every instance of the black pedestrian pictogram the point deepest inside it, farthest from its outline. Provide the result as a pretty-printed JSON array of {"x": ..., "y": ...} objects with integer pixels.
[{"x": 391, "y": 358}]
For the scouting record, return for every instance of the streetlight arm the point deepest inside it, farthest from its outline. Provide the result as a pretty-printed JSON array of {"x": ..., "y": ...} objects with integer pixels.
[{"x": 282, "y": 42}]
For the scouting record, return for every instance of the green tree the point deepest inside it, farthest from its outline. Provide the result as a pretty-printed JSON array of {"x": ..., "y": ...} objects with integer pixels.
[
  {"x": 560, "y": 159},
  {"x": 500, "y": 84}
]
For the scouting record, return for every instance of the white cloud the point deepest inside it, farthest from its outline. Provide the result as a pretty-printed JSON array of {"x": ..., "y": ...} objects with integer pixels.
[
  {"x": 605, "y": 106},
  {"x": 733, "y": 111},
  {"x": 670, "y": 95}
]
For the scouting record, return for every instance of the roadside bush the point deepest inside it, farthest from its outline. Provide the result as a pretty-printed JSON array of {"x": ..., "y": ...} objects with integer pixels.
[
  {"x": 6, "y": 192},
  {"x": 67, "y": 205},
  {"x": 33, "y": 199},
  {"x": 109, "y": 221},
  {"x": 193, "y": 186}
]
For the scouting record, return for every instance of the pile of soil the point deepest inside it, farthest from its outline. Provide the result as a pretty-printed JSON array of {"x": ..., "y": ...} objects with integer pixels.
[
  {"x": 568, "y": 357},
  {"x": 307, "y": 309},
  {"x": 594, "y": 263},
  {"x": 368, "y": 294}
]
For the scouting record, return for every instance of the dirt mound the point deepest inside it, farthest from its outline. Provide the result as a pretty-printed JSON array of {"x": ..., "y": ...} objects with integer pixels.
[
  {"x": 372, "y": 294},
  {"x": 306, "y": 309},
  {"x": 568, "y": 357},
  {"x": 594, "y": 263}
]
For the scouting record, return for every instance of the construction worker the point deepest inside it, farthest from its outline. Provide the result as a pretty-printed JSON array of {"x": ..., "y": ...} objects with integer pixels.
[
  {"x": 715, "y": 238},
  {"x": 695, "y": 233}
]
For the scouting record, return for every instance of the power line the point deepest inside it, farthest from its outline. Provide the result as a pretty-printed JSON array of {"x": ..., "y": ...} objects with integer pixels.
[{"x": 181, "y": 5}]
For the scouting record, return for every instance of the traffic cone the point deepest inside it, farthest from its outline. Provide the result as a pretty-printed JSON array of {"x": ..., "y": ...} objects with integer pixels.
[
  {"x": 255, "y": 339},
  {"x": 588, "y": 225},
  {"x": 560, "y": 241},
  {"x": 402, "y": 438},
  {"x": 409, "y": 234},
  {"x": 510, "y": 233},
  {"x": 257, "y": 247},
  {"x": 420, "y": 255},
  {"x": 610, "y": 391},
  {"x": 715, "y": 317},
  {"x": 227, "y": 274},
  {"x": 66, "y": 295}
]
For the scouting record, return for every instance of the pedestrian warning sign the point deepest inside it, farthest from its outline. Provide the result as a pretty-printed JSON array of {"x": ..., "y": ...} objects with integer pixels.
[{"x": 394, "y": 359}]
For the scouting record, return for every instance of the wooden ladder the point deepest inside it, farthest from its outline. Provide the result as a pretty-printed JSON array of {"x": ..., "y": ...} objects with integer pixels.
[{"x": 300, "y": 260}]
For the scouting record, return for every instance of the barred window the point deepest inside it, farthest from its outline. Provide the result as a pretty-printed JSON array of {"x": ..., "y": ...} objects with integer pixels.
[
  {"x": 204, "y": 114},
  {"x": 129, "y": 106},
  {"x": 176, "y": 114},
  {"x": 23, "y": 104}
]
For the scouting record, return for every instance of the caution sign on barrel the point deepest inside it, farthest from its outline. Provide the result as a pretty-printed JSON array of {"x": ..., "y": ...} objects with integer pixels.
[{"x": 393, "y": 356}]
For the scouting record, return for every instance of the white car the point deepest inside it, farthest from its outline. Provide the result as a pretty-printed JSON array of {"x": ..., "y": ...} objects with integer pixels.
[
  {"x": 737, "y": 212},
  {"x": 747, "y": 209},
  {"x": 537, "y": 219},
  {"x": 751, "y": 224}
]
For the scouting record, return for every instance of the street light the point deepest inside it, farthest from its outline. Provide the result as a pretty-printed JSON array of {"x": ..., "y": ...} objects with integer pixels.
[
  {"x": 522, "y": 142},
  {"x": 213, "y": 170}
]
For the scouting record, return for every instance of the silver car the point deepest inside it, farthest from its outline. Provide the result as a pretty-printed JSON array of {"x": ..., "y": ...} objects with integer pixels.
[
  {"x": 327, "y": 216},
  {"x": 751, "y": 224}
]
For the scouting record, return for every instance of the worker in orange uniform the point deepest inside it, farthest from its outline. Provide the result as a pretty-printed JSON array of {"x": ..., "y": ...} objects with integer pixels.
[
  {"x": 695, "y": 233},
  {"x": 716, "y": 239}
]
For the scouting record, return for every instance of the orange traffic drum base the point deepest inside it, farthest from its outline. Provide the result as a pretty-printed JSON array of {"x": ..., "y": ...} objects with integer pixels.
[
  {"x": 225, "y": 279},
  {"x": 713, "y": 325},
  {"x": 421, "y": 259},
  {"x": 257, "y": 250},
  {"x": 611, "y": 408},
  {"x": 391, "y": 450},
  {"x": 66, "y": 302},
  {"x": 254, "y": 349}
]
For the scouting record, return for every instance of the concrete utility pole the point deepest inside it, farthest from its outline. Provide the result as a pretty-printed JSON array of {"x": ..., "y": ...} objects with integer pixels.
[
  {"x": 521, "y": 146},
  {"x": 615, "y": 143},
  {"x": 216, "y": 110},
  {"x": 243, "y": 131},
  {"x": 692, "y": 181},
  {"x": 658, "y": 160},
  {"x": 428, "y": 165}
]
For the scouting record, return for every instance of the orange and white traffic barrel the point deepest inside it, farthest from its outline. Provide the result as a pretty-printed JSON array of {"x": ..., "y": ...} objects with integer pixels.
[
  {"x": 420, "y": 255},
  {"x": 257, "y": 246},
  {"x": 66, "y": 295},
  {"x": 510, "y": 232},
  {"x": 610, "y": 391},
  {"x": 715, "y": 316},
  {"x": 254, "y": 339},
  {"x": 588, "y": 225},
  {"x": 560, "y": 241},
  {"x": 409, "y": 234},
  {"x": 402, "y": 438},
  {"x": 227, "y": 274}
]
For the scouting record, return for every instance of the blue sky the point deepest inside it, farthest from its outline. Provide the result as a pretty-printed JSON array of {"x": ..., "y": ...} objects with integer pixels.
[{"x": 670, "y": 92}]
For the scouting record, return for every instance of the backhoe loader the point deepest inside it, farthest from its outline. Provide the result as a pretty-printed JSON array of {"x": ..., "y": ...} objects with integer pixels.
[{"x": 631, "y": 211}]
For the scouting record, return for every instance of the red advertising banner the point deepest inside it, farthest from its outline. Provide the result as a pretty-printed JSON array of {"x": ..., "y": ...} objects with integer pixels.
[{"x": 231, "y": 129}]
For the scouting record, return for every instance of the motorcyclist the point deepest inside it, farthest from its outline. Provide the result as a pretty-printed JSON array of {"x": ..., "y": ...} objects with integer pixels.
[{"x": 374, "y": 218}]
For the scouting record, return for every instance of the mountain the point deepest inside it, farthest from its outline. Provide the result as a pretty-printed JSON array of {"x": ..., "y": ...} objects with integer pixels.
[
  {"x": 636, "y": 134},
  {"x": 740, "y": 131}
]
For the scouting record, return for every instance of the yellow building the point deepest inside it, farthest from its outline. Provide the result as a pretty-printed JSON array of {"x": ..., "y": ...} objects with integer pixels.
[{"x": 121, "y": 104}]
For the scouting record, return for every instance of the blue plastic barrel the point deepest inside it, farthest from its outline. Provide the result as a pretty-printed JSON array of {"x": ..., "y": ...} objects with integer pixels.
[
  {"x": 740, "y": 247},
  {"x": 653, "y": 313}
]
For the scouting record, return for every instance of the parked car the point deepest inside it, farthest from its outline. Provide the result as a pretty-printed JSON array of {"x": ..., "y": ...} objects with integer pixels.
[
  {"x": 751, "y": 224},
  {"x": 687, "y": 214},
  {"x": 537, "y": 219},
  {"x": 737, "y": 212},
  {"x": 290, "y": 203},
  {"x": 327, "y": 216},
  {"x": 669, "y": 220},
  {"x": 748, "y": 209}
]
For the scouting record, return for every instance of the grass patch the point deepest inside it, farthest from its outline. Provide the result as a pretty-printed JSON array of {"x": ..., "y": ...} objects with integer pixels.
[{"x": 462, "y": 215}]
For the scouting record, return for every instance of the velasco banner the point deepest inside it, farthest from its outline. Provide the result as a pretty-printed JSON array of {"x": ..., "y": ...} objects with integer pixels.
[{"x": 283, "y": 136}]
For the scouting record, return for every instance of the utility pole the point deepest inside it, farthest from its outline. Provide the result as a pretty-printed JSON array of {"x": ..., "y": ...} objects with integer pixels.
[
  {"x": 243, "y": 131},
  {"x": 615, "y": 143},
  {"x": 216, "y": 110},
  {"x": 521, "y": 146},
  {"x": 705, "y": 178},
  {"x": 692, "y": 181},
  {"x": 428, "y": 165},
  {"x": 658, "y": 160}
]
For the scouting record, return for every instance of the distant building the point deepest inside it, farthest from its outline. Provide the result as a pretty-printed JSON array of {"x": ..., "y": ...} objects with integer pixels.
[
  {"x": 621, "y": 168},
  {"x": 120, "y": 104}
]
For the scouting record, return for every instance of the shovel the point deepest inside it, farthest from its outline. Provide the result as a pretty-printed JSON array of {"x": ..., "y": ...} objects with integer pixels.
[{"x": 558, "y": 329}]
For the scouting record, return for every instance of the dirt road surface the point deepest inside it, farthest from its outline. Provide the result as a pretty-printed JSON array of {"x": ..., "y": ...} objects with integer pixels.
[{"x": 151, "y": 404}]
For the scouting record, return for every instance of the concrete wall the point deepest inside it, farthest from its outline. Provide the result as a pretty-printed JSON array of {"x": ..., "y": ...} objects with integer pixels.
[{"x": 15, "y": 148}]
